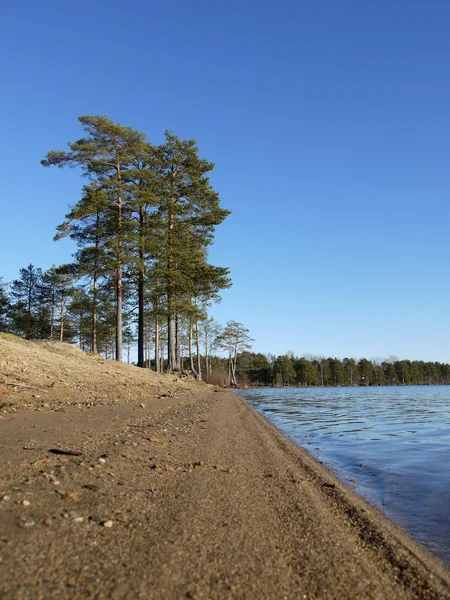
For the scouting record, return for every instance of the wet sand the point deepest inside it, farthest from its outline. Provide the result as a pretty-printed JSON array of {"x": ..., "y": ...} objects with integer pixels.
[{"x": 195, "y": 496}]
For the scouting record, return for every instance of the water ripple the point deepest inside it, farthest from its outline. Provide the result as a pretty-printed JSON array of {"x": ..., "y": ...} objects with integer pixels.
[{"x": 391, "y": 444}]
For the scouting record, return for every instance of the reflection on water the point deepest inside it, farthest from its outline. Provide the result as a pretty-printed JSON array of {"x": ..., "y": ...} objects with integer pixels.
[{"x": 391, "y": 444}]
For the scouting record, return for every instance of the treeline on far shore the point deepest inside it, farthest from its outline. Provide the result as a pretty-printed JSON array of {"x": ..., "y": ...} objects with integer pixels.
[{"x": 289, "y": 370}]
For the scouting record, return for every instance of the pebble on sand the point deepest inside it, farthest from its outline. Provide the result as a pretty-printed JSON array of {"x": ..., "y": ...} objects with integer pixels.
[
  {"x": 108, "y": 523},
  {"x": 26, "y": 524}
]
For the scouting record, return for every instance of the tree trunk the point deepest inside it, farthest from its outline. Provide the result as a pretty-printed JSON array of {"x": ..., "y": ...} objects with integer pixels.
[
  {"x": 141, "y": 283},
  {"x": 119, "y": 272},
  {"x": 94, "y": 315},
  {"x": 233, "y": 366},
  {"x": 171, "y": 344},
  {"x": 61, "y": 323},
  {"x": 157, "y": 363},
  {"x": 28, "y": 336},
  {"x": 161, "y": 355},
  {"x": 191, "y": 356},
  {"x": 141, "y": 320},
  {"x": 177, "y": 343},
  {"x": 146, "y": 348},
  {"x": 149, "y": 344},
  {"x": 119, "y": 315},
  {"x": 171, "y": 333},
  {"x": 53, "y": 314},
  {"x": 206, "y": 356},
  {"x": 199, "y": 365},
  {"x": 95, "y": 285},
  {"x": 233, "y": 373}
]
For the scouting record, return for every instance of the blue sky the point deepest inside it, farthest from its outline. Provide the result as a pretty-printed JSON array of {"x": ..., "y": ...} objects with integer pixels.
[{"x": 329, "y": 124}]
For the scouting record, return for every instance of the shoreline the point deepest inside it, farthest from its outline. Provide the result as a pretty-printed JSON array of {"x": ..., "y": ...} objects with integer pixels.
[
  {"x": 338, "y": 387},
  {"x": 195, "y": 496},
  {"x": 375, "y": 446}
]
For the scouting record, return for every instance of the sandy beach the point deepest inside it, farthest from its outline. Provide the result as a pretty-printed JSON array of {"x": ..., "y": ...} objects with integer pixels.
[{"x": 188, "y": 494}]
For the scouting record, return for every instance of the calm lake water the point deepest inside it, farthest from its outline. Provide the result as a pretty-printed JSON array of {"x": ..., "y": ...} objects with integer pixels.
[{"x": 391, "y": 444}]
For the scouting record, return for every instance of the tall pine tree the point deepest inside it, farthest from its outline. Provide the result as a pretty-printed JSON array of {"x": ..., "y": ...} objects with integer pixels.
[
  {"x": 105, "y": 154},
  {"x": 190, "y": 211}
]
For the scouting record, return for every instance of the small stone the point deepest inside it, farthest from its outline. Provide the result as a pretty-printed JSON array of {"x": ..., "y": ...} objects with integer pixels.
[
  {"x": 72, "y": 495},
  {"x": 142, "y": 405},
  {"x": 101, "y": 461},
  {"x": 95, "y": 519},
  {"x": 27, "y": 524},
  {"x": 5, "y": 498},
  {"x": 26, "y": 503},
  {"x": 108, "y": 523},
  {"x": 92, "y": 487},
  {"x": 78, "y": 519},
  {"x": 48, "y": 521}
]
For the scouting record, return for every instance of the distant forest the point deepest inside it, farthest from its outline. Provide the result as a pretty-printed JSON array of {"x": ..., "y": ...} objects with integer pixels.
[{"x": 288, "y": 370}]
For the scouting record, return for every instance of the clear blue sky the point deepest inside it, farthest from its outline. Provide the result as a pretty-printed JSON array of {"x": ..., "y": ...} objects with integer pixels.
[{"x": 329, "y": 123}]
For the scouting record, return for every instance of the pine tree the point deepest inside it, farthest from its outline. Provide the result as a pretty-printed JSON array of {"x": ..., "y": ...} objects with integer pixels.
[
  {"x": 55, "y": 287},
  {"x": 27, "y": 313},
  {"x": 365, "y": 370},
  {"x": 190, "y": 210},
  {"x": 210, "y": 331},
  {"x": 143, "y": 235},
  {"x": 234, "y": 339},
  {"x": 108, "y": 151},
  {"x": 106, "y": 327},
  {"x": 85, "y": 224},
  {"x": 129, "y": 338},
  {"x": 79, "y": 311}
]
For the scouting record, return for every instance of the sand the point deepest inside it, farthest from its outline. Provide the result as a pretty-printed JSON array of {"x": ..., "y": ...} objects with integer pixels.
[{"x": 185, "y": 492}]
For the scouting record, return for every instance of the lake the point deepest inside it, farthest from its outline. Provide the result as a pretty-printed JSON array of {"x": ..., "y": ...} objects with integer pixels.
[{"x": 391, "y": 444}]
